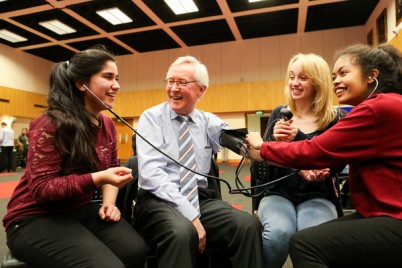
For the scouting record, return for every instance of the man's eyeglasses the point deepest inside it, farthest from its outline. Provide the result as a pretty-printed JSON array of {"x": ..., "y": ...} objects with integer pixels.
[{"x": 181, "y": 83}]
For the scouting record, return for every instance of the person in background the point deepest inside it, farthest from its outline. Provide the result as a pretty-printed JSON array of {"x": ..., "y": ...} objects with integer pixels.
[
  {"x": 299, "y": 201},
  {"x": 50, "y": 220},
  {"x": 175, "y": 211},
  {"x": 369, "y": 140},
  {"x": 19, "y": 153},
  {"x": 7, "y": 146},
  {"x": 23, "y": 138}
]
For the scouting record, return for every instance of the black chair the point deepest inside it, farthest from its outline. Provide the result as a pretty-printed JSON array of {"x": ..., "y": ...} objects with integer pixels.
[
  {"x": 346, "y": 201},
  {"x": 211, "y": 258}
]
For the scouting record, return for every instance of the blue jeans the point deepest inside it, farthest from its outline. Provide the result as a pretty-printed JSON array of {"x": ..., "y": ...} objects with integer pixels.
[{"x": 280, "y": 219}]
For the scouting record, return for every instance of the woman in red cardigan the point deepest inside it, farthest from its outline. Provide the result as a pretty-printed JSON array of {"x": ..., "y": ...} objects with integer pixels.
[
  {"x": 369, "y": 140},
  {"x": 50, "y": 220}
]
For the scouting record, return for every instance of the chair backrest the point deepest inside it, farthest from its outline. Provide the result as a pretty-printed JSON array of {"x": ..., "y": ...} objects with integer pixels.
[
  {"x": 212, "y": 183},
  {"x": 128, "y": 194}
]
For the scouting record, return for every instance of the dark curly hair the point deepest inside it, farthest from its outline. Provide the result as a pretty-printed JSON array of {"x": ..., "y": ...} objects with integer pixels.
[{"x": 385, "y": 58}]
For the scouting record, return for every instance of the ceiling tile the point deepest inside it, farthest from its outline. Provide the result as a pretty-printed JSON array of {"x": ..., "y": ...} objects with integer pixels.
[
  {"x": 268, "y": 24},
  {"x": 148, "y": 41},
  {"x": 204, "y": 32},
  {"x": 155, "y": 27}
]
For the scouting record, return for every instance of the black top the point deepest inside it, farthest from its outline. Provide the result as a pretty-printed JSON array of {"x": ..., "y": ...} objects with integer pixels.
[{"x": 295, "y": 188}]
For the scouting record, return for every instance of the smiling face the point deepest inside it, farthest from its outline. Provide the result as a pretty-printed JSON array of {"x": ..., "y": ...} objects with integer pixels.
[
  {"x": 349, "y": 84},
  {"x": 300, "y": 85},
  {"x": 104, "y": 84},
  {"x": 182, "y": 99}
]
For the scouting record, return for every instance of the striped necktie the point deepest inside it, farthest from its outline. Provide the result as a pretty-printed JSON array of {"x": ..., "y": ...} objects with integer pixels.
[{"x": 188, "y": 179}]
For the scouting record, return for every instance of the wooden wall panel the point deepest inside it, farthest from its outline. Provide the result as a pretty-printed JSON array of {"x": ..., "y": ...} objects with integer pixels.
[
  {"x": 259, "y": 96},
  {"x": 21, "y": 103},
  {"x": 250, "y": 60},
  {"x": 397, "y": 41},
  {"x": 289, "y": 46},
  {"x": 144, "y": 69},
  {"x": 195, "y": 51},
  {"x": 277, "y": 96},
  {"x": 230, "y": 62},
  {"x": 160, "y": 59},
  {"x": 312, "y": 42},
  {"x": 153, "y": 97},
  {"x": 237, "y": 98},
  {"x": 354, "y": 36},
  {"x": 333, "y": 40},
  {"x": 270, "y": 58},
  {"x": 214, "y": 100},
  {"x": 128, "y": 103},
  {"x": 127, "y": 70},
  {"x": 173, "y": 54},
  {"x": 213, "y": 61}
]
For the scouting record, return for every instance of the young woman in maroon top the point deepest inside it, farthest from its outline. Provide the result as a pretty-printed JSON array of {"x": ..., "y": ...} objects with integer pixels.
[
  {"x": 369, "y": 140},
  {"x": 51, "y": 220}
]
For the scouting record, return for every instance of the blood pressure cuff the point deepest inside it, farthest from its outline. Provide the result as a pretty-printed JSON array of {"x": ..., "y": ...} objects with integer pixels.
[{"x": 234, "y": 140}]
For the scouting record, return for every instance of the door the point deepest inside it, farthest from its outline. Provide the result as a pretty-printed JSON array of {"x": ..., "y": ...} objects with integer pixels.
[{"x": 124, "y": 134}]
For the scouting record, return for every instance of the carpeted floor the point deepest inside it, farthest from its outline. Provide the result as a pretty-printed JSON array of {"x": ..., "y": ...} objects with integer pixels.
[{"x": 8, "y": 181}]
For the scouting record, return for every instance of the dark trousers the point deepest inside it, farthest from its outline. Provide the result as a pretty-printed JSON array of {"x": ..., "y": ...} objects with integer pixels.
[
  {"x": 349, "y": 241},
  {"x": 175, "y": 238},
  {"x": 6, "y": 158},
  {"x": 76, "y": 239}
]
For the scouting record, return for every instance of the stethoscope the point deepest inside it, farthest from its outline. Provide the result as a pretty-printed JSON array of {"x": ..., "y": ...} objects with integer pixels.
[{"x": 246, "y": 191}]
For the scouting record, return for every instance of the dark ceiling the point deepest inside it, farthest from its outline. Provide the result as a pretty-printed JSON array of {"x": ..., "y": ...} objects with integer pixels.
[{"x": 156, "y": 27}]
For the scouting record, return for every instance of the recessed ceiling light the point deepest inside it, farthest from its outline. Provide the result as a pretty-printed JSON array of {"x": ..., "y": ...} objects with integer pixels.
[
  {"x": 57, "y": 27},
  {"x": 11, "y": 37},
  {"x": 114, "y": 15},
  {"x": 182, "y": 6}
]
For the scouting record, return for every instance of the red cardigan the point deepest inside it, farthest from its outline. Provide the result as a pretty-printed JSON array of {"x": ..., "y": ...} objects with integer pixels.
[
  {"x": 44, "y": 188},
  {"x": 369, "y": 139}
]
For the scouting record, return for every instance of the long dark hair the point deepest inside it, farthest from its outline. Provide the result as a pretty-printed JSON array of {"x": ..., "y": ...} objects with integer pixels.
[
  {"x": 75, "y": 135},
  {"x": 386, "y": 58}
]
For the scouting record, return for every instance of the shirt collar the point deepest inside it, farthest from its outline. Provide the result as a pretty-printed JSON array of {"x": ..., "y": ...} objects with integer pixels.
[{"x": 174, "y": 115}]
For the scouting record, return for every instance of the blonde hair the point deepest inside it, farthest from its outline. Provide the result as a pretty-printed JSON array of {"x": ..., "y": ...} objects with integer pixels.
[{"x": 316, "y": 69}]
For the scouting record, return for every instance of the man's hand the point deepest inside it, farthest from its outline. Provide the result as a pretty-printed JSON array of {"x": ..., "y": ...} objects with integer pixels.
[{"x": 202, "y": 235}]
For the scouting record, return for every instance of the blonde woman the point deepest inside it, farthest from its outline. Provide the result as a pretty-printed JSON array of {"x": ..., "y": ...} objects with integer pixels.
[{"x": 299, "y": 201}]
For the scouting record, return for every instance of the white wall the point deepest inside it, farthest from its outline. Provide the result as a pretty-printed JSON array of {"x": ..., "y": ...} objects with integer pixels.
[
  {"x": 231, "y": 62},
  {"x": 23, "y": 71}
]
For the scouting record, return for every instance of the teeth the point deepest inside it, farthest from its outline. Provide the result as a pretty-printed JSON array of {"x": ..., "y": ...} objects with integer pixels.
[{"x": 339, "y": 91}]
